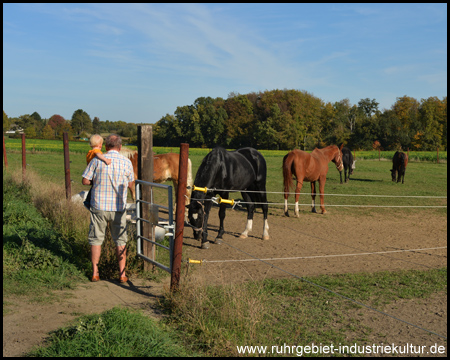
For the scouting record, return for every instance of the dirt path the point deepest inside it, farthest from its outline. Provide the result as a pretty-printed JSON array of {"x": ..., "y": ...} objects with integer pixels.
[
  {"x": 28, "y": 324},
  {"x": 311, "y": 245}
]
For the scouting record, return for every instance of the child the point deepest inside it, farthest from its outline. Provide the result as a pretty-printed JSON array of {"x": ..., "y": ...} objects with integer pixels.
[{"x": 96, "y": 142}]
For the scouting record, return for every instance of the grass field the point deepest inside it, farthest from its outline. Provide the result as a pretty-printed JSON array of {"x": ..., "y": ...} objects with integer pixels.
[{"x": 371, "y": 179}]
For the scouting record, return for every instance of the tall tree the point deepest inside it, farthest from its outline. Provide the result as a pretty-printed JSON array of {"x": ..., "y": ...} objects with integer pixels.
[
  {"x": 81, "y": 121},
  {"x": 96, "y": 127},
  {"x": 56, "y": 122}
]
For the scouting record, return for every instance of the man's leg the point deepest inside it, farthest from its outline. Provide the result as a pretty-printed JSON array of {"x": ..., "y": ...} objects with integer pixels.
[
  {"x": 95, "y": 258},
  {"x": 121, "y": 252}
]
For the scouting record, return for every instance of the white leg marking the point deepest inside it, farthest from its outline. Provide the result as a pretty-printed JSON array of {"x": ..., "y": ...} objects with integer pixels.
[
  {"x": 247, "y": 229},
  {"x": 296, "y": 209},
  {"x": 266, "y": 230}
]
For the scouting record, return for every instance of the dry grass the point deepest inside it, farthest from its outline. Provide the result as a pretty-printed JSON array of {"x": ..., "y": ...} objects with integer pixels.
[
  {"x": 216, "y": 318},
  {"x": 71, "y": 220}
]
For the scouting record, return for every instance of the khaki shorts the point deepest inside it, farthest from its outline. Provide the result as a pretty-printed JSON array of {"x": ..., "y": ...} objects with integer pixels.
[{"x": 99, "y": 222}]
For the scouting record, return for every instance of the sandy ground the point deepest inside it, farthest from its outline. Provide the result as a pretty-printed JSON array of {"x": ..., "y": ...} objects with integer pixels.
[{"x": 311, "y": 245}]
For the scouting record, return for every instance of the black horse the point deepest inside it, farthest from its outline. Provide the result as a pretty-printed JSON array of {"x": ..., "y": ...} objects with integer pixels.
[
  {"x": 399, "y": 163},
  {"x": 243, "y": 169},
  {"x": 347, "y": 159}
]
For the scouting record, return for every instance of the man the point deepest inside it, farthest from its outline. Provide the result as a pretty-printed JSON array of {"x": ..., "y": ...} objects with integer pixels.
[{"x": 108, "y": 203}]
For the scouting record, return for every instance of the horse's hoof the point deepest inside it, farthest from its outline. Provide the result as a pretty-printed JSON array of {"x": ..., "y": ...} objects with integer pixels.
[
  {"x": 286, "y": 214},
  {"x": 314, "y": 211},
  {"x": 218, "y": 241},
  {"x": 243, "y": 236},
  {"x": 266, "y": 237},
  {"x": 205, "y": 245},
  {"x": 324, "y": 212}
]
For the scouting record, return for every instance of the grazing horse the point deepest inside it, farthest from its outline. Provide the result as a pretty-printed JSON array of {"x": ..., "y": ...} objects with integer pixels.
[
  {"x": 240, "y": 170},
  {"x": 347, "y": 160},
  {"x": 309, "y": 167},
  {"x": 399, "y": 162},
  {"x": 165, "y": 167}
]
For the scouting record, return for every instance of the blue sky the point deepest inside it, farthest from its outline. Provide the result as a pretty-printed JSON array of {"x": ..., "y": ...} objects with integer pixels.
[{"x": 138, "y": 62}]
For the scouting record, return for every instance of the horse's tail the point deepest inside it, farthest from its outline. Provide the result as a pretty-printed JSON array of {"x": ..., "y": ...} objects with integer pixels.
[{"x": 287, "y": 172}]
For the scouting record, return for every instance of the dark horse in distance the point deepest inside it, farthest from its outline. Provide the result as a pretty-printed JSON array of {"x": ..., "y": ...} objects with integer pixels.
[
  {"x": 309, "y": 167},
  {"x": 240, "y": 170},
  {"x": 347, "y": 160},
  {"x": 399, "y": 162}
]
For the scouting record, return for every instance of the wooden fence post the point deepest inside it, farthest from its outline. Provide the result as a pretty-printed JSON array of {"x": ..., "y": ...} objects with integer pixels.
[
  {"x": 4, "y": 153},
  {"x": 179, "y": 225},
  {"x": 67, "y": 165},
  {"x": 145, "y": 173},
  {"x": 24, "y": 161}
]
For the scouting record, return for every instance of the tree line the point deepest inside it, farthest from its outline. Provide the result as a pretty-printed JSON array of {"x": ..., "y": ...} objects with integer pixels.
[
  {"x": 80, "y": 126},
  {"x": 288, "y": 119},
  {"x": 275, "y": 119}
]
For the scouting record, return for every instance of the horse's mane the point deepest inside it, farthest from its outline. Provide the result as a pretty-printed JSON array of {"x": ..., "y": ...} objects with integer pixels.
[{"x": 212, "y": 164}]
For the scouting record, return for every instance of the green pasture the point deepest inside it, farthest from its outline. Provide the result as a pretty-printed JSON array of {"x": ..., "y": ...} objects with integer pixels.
[{"x": 370, "y": 187}]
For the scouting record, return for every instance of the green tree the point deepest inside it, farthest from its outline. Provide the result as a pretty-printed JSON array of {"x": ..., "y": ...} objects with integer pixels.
[
  {"x": 96, "y": 126},
  {"x": 6, "y": 122},
  {"x": 30, "y": 132},
  {"x": 240, "y": 119},
  {"x": 81, "y": 121},
  {"x": 48, "y": 132},
  {"x": 431, "y": 113},
  {"x": 66, "y": 127},
  {"x": 212, "y": 119},
  {"x": 167, "y": 131},
  {"x": 368, "y": 107}
]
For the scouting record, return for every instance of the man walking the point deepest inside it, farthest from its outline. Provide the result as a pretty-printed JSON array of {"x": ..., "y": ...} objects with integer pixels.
[{"x": 108, "y": 203}]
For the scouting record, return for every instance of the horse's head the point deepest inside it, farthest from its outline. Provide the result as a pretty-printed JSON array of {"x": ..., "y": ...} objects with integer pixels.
[
  {"x": 394, "y": 174},
  {"x": 337, "y": 159},
  {"x": 195, "y": 216}
]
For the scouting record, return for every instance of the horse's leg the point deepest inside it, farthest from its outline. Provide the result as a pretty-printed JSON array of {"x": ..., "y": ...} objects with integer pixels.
[
  {"x": 250, "y": 210},
  {"x": 322, "y": 181},
  {"x": 286, "y": 195},
  {"x": 298, "y": 188},
  {"x": 340, "y": 174},
  {"x": 262, "y": 199},
  {"x": 222, "y": 210},
  {"x": 265, "y": 209},
  {"x": 205, "y": 243},
  {"x": 313, "y": 196}
]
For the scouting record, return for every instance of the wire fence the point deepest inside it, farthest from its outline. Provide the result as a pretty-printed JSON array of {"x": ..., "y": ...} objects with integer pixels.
[{"x": 218, "y": 200}]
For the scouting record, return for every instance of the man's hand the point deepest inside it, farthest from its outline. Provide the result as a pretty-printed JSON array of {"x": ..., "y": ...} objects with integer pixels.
[{"x": 86, "y": 181}]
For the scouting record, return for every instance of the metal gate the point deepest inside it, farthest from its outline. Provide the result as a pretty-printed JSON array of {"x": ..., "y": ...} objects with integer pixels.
[{"x": 161, "y": 227}]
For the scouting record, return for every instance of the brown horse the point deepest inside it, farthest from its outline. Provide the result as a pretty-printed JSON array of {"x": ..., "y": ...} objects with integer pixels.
[
  {"x": 309, "y": 167},
  {"x": 165, "y": 167}
]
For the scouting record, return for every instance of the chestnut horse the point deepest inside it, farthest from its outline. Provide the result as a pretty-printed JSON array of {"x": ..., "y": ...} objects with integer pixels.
[
  {"x": 165, "y": 167},
  {"x": 309, "y": 167}
]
